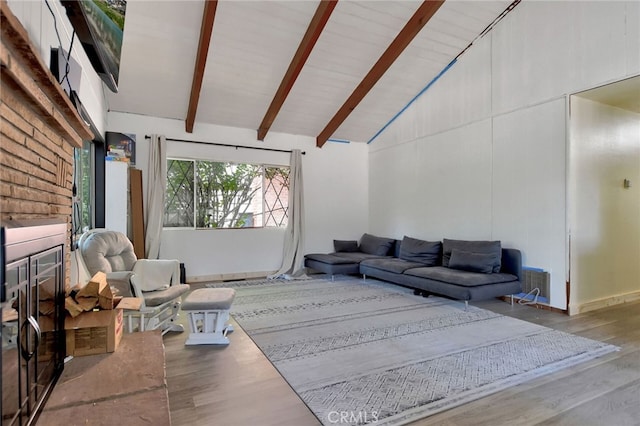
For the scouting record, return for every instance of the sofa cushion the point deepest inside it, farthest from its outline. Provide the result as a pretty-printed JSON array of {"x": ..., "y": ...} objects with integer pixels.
[
  {"x": 391, "y": 264},
  {"x": 328, "y": 258},
  {"x": 457, "y": 277},
  {"x": 345, "y": 246},
  {"x": 356, "y": 257},
  {"x": 379, "y": 246},
  {"x": 425, "y": 252},
  {"x": 473, "y": 262},
  {"x": 490, "y": 247}
]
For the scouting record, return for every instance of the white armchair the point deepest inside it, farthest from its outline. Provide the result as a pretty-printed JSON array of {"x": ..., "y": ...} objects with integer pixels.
[{"x": 156, "y": 282}]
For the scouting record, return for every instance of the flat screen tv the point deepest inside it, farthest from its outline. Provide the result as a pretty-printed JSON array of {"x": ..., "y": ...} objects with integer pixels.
[{"x": 99, "y": 26}]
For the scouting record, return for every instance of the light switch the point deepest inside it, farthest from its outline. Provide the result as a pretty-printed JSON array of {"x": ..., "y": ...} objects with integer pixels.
[{"x": 627, "y": 183}]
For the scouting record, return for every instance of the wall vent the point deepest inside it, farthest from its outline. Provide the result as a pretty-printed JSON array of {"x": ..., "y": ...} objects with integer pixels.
[{"x": 536, "y": 278}]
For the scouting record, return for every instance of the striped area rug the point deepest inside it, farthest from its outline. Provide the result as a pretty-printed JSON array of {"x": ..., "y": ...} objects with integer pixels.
[{"x": 360, "y": 352}]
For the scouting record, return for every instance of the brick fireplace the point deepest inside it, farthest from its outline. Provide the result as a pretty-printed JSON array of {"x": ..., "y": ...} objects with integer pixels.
[{"x": 39, "y": 128}]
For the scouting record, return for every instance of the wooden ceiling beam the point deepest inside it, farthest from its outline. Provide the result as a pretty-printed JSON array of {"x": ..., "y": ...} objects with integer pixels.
[
  {"x": 397, "y": 46},
  {"x": 317, "y": 24},
  {"x": 206, "y": 30}
]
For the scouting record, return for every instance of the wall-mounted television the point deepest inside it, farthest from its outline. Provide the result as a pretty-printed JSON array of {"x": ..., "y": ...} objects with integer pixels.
[{"x": 99, "y": 26}]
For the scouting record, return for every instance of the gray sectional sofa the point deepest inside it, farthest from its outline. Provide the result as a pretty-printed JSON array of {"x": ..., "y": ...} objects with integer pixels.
[{"x": 459, "y": 269}]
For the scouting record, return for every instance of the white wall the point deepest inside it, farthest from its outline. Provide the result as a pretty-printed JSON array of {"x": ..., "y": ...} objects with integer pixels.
[
  {"x": 605, "y": 216},
  {"x": 116, "y": 177},
  {"x": 482, "y": 154},
  {"x": 529, "y": 190},
  {"x": 336, "y": 200},
  {"x": 39, "y": 23}
]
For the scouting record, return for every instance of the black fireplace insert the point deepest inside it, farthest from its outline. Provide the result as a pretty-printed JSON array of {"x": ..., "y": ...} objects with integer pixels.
[{"x": 32, "y": 296}]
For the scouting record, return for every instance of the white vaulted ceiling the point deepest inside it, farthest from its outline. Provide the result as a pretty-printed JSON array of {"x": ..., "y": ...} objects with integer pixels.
[{"x": 253, "y": 43}]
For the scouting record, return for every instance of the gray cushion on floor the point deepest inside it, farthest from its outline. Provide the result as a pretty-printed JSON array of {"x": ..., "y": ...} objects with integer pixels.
[
  {"x": 209, "y": 299},
  {"x": 463, "y": 278}
]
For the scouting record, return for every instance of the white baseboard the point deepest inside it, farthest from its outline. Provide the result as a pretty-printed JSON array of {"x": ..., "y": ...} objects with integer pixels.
[
  {"x": 593, "y": 305},
  {"x": 230, "y": 276}
]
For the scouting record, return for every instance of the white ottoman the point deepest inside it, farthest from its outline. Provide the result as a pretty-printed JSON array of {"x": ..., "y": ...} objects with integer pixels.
[{"x": 208, "y": 312}]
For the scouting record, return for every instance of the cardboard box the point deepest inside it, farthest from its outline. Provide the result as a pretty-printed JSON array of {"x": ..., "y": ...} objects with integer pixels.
[{"x": 92, "y": 333}]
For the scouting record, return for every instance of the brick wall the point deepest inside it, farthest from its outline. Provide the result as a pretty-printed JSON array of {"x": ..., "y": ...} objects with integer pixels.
[
  {"x": 39, "y": 127},
  {"x": 36, "y": 173}
]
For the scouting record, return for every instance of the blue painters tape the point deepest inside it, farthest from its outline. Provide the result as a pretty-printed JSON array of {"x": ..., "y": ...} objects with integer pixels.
[{"x": 413, "y": 100}]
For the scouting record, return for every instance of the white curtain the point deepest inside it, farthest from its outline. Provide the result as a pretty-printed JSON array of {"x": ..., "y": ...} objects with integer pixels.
[
  {"x": 293, "y": 256},
  {"x": 156, "y": 191}
]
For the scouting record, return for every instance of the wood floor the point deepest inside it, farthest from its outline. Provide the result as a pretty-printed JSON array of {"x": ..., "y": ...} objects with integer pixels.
[{"x": 237, "y": 385}]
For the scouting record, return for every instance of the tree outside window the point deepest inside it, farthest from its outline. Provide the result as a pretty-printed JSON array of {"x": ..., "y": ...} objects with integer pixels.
[{"x": 204, "y": 194}]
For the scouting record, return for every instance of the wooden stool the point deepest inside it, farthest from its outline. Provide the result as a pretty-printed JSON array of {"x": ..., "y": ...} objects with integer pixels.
[{"x": 208, "y": 311}]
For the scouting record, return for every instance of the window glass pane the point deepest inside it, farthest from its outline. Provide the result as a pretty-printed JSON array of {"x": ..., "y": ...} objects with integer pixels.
[
  {"x": 226, "y": 195},
  {"x": 276, "y": 196},
  {"x": 83, "y": 180},
  {"x": 179, "y": 208}
]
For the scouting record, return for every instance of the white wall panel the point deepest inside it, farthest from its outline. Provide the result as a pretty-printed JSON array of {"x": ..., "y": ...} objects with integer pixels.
[
  {"x": 454, "y": 183},
  {"x": 546, "y": 49},
  {"x": 518, "y": 77},
  {"x": 433, "y": 188},
  {"x": 460, "y": 96},
  {"x": 604, "y": 216},
  {"x": 336, "y": 194},
  {"x": 393, "y": 191},
  {"x": 633, "y": 37},
  {"x": 529, "y": 157},
  {"x": 335, "y": 191},
  {"x": 116, "y": 176}
]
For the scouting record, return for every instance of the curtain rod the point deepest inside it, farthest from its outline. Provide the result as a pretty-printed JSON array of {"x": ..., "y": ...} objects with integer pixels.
[{"x": 228, "y": 146}]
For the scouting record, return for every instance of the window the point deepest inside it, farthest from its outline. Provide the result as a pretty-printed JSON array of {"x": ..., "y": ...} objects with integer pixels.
[
  {"x": 204, "y": 194},
  {"x": 83, "y": 188},
  {"x": 88, "y": 179}
]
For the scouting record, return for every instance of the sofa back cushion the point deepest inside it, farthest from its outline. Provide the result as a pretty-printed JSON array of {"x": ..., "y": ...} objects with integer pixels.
[
  {"x": 484, "y": 247},
  {"x": 395, "y": 252},
  {"x": 345, "y": 246},
  {"x": 378, "y": 246},
  {"x": 426, "y": 252},
  {"x": 472, "y": 262}
]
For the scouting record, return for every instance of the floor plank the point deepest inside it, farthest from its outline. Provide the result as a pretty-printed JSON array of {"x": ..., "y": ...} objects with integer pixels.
[
  {"x": 621, "y": 404},
  {"x": 232, "y": 385},
  {"x": 237, "y": 385},
  {"x": 124, "y": 387}
]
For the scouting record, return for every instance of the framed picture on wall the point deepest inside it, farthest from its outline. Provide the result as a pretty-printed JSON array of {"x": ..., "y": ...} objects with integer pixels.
[{"x": 121, "y": 147}]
